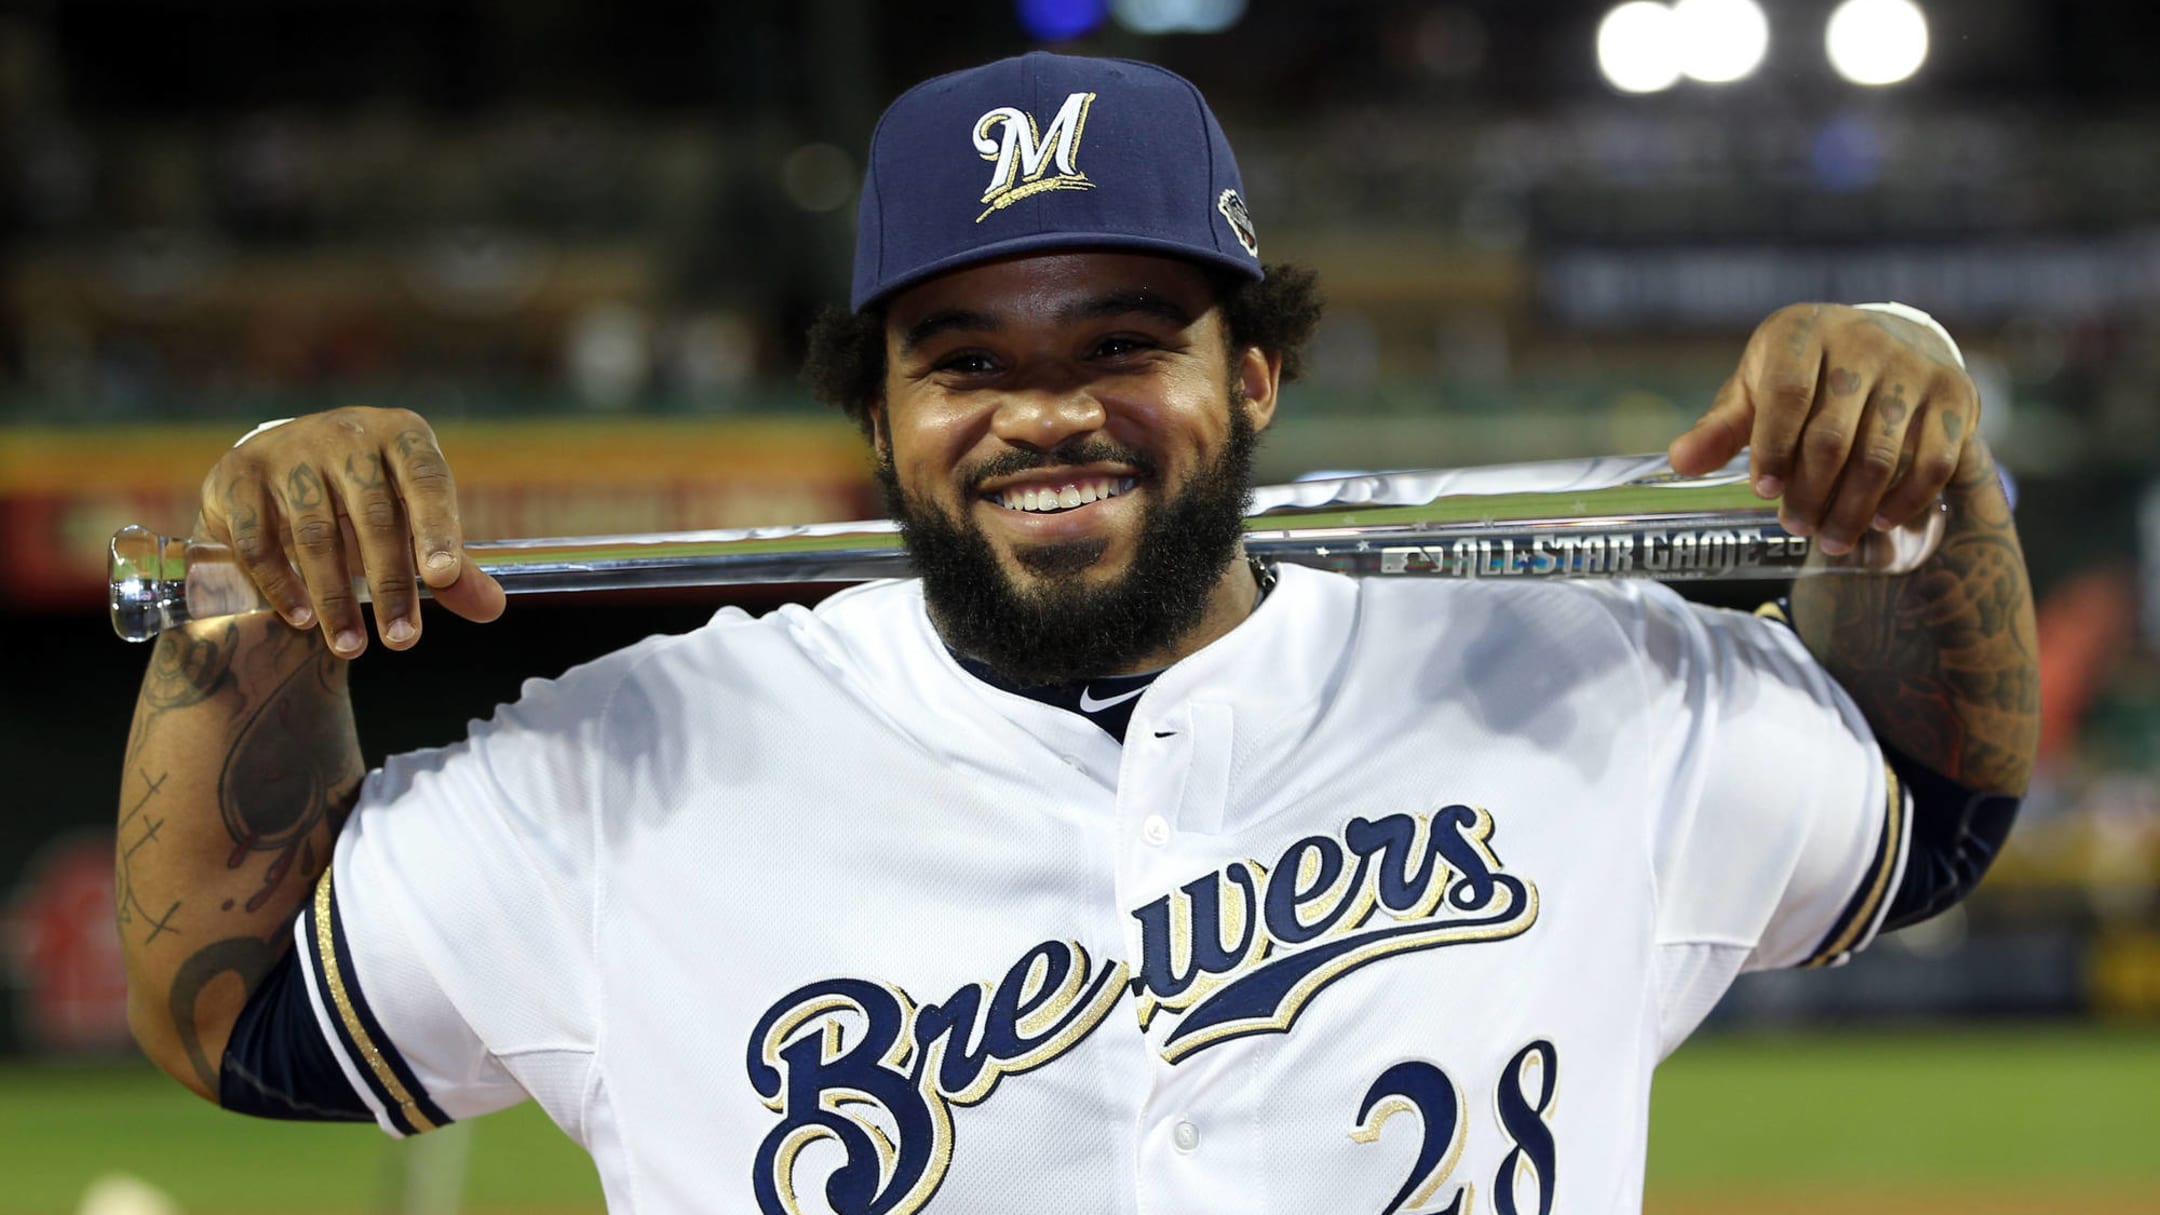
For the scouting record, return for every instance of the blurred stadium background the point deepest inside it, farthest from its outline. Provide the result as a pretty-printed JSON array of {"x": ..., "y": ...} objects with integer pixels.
[{"x": 584, "y": 239}]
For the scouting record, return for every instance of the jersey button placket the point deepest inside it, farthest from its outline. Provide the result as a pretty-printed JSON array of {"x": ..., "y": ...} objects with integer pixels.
[{"x": 1149, "y": 782}]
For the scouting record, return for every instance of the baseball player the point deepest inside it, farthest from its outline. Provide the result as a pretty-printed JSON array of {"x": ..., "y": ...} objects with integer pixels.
[{"x": 1099, "y": 868}]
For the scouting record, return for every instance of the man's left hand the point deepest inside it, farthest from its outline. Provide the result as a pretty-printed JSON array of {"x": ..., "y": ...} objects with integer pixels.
[{"x": 1856, "y": 418}]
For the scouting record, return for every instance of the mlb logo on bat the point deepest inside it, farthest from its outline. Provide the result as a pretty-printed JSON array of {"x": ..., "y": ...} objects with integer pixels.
[{"x": 1008, "y": 136}]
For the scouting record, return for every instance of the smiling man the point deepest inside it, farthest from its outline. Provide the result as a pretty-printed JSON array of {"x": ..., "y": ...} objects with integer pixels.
[
  {"x": 1069, "y": 455},
  {"x": 1064, "y": 357},
  {"x": 1098, "y": 868}
]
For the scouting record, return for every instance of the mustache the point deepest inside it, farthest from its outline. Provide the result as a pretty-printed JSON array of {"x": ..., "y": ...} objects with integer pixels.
[{"x": 1090, "y": 450}]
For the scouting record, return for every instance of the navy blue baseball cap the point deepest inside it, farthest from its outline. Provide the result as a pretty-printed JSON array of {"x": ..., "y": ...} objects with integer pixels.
[{"x": 1044, "y": 152}]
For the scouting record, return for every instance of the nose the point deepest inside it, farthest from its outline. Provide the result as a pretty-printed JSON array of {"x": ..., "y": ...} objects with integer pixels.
[{"x": 1044, "y": 417}]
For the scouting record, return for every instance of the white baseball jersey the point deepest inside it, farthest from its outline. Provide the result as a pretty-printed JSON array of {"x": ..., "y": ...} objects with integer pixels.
[{"x": 1391, "y": 900}]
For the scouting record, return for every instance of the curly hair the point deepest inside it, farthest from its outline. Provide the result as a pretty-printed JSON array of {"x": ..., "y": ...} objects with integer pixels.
[{"x": 845, "y": 364}]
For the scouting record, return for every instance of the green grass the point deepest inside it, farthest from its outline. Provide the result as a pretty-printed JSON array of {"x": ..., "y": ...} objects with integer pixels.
[
  {"x": 1919, "y": 1107},
  {"x": 1760, "y": 1114},
  {"x": 63, "y": 1126}
]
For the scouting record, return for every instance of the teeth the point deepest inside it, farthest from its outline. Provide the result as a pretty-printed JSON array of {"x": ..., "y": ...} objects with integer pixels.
[{"x": 1077, "y": 493}]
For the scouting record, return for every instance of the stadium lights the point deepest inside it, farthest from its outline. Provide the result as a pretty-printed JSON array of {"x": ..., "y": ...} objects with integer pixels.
[
  {"x": 1877, "y": 42},
  {"x": 1720, "y": 40},
  {"x": 1647, "y": 46},
  {"x": 1638, "y": 47}
]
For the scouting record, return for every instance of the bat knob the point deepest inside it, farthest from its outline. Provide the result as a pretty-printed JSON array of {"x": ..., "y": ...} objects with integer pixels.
[{"x": 147, "y": 597}]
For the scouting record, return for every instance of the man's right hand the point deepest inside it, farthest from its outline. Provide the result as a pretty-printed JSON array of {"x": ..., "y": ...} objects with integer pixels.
[{"x": 310, "y": 505}]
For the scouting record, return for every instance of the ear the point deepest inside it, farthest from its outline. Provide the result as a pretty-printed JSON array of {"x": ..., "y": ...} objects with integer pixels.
[
  {"x": 1259, "y": 374},
  {"x": 880, "y": 435}
]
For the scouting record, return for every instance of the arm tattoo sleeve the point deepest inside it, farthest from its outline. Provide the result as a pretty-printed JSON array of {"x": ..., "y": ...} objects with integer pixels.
[{"x": 1942, "y": 661}]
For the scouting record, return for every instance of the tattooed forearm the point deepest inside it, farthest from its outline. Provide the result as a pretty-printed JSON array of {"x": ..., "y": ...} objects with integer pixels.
[
  {"x": 1942, "y": 661},
  {"x": 186, "y": 668},
  {"x": 247, "y": 959},
  {"x": 289, "y": 772},
  {"x": 241, "y": 767},
  {"x": 140, "y": 830}
]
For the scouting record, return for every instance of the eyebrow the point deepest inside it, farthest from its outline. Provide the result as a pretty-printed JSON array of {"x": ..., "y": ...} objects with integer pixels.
[
  {"x": 1094, "y": 308},
  {"x": 946, "y": 320},
  {"x": 1125, "y": 303}
]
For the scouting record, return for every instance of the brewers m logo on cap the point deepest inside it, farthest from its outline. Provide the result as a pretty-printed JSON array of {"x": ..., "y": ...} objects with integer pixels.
[
  {"x": 1008, "y": 136},
  {"x": 1160, "y": 178}
]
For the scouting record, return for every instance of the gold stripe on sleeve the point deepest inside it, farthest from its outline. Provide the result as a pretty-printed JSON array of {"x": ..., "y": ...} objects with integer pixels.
[
  {"x": 334, "y": 979},
  {"x": 1893, "y": 832}
]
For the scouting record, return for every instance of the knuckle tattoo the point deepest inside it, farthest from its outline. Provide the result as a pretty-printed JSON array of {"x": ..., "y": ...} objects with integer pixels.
[
  {"x": 303, "y": 487},
  {"x": 365, "y": 469}
]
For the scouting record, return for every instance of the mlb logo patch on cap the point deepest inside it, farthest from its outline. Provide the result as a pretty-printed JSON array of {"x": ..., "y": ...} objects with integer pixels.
[{"x": 1047, "y": 152}]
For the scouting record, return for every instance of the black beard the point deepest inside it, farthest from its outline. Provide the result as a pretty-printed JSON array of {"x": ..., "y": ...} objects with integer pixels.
[{"x": 1063, "y": 630}]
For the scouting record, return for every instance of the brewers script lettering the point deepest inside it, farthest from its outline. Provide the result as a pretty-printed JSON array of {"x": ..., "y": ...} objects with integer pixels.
[{"x": 857, "y": 1064}]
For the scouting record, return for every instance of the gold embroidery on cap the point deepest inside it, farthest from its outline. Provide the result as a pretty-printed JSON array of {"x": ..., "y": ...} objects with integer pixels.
[{"x": 1025, "y": 156}]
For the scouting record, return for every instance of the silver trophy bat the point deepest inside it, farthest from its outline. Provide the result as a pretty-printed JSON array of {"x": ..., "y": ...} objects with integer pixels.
[{"x": 1604, "y": 517}]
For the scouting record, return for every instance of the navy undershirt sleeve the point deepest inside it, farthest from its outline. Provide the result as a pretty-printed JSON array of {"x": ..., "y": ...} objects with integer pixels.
[
  {"x": 1956, "y": 834},
  {"x": 277, "y": 1064}
]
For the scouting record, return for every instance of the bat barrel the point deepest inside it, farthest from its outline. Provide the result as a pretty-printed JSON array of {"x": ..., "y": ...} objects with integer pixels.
[{"x": 1688, "y": 546}]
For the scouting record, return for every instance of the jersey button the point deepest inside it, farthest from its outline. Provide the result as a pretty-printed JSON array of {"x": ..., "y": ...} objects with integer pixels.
[
  {"x": 1185, "y": 1137},
  {"x": 1155, "y": 830}
]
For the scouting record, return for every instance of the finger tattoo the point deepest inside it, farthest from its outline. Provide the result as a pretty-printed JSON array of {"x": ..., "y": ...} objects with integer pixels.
[
  {"x": 365, "y": 468},
  {"x": 1894, "y": 410},
  {"x": 1844, "y": 381},
  {"x": 240, "y": 514},
  {"x": 304, "y": 488}
]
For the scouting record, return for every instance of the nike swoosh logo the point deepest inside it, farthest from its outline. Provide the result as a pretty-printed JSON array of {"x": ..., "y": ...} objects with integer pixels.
[{"x": 1088, "y": 703}]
